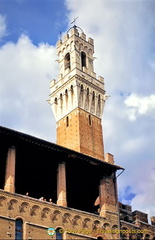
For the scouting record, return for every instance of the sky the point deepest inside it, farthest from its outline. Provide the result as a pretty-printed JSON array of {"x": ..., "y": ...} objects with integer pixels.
[{"x": 124, "y": 38}]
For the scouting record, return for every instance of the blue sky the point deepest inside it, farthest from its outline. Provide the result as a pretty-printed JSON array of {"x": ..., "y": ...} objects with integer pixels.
[
  {"x": 40, "y": 20},
  {"x": 124, "y": 36}
]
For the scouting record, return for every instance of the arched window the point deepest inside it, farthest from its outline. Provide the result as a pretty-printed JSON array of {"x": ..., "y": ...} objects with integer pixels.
[
  {"x": 87, "y": 99},
  {"x": 99, "y": 238},
  {"x": 66, "y": 94},
  {"x": 99, "y": 103},
  {"x": 81, "y": 95},
  {"x": 99, "y": 98},
  {"x": 87, "y": 91},
  {"x": 140, "y": 236},
  {"x": 61, "y": 101},
  {"x": 93, "y": 97},
  {"x": 147, "y": 236},
  {"x": 59, "y": 234},
  {"x": 83, "y": 59},
  {"x": 81, "y": 88},
  {"x": 93, "y": 102},
  {"x": 67, "y": 61},
  {"x": 56, "y": 101},
  {"x": 19, "y": 229},
  {"x": 72, "y": 93},
  {"x": 72, "y": 88}
]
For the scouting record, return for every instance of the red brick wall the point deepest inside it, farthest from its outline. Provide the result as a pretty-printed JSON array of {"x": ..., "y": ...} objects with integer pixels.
[{"x": 80, "y": 135}]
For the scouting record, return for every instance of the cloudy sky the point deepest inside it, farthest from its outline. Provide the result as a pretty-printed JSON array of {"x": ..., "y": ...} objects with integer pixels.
[{"x": 124, "y": 36}]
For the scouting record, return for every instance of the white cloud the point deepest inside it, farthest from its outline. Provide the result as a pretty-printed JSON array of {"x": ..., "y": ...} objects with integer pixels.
[
  {"x": 26, "y": 71},
  {"x": 138, "y": 105},
  {"x": 145, "y": 196},
  {"x": 2, "y": 26}
]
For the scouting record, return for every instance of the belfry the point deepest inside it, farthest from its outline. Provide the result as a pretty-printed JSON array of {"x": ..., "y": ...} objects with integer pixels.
[{"x": 77, "y": 97}]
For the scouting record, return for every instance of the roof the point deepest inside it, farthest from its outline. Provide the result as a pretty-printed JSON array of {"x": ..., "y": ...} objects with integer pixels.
[{"x": 22, "y": 138}]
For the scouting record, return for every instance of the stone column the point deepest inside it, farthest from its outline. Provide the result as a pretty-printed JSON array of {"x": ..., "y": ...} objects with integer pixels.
[
  {"x": 61, "y": 185},
  {"x": 102, "y": 196},
  {"x": 108, "y": 195},
  {"x": 10, "y": 170}
]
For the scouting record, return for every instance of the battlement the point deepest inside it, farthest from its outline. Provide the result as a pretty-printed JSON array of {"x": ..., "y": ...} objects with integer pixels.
[
  {"x": 127, "y": 215},
  {"x": 77, "y": 32}
]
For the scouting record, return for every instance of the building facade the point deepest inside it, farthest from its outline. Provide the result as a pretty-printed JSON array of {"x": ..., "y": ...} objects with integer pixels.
[{"x": 66, "y": 190}]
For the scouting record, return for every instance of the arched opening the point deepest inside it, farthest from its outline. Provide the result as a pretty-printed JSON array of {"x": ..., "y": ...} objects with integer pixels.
[
  {"x": 56, "y": 101},
  {"x": 140, "y": 236},
  {"x": 59, "y": 233},
  {"x": 72, "y": 93},
  {"x": 99, "y": 238},
  {"x": 66, "y": 94},
  {"x": 147, "y": 236},
  {"x": 87, "y": 99},
  {"x": 83, "y": 59},
  {"x": 71, "y": 88},
  {"x": 61, "y": 100},
  {"x": 93, "y": 102},
  {"x": 56, "y": 104},
  {"x": 81, "y": 94},
  {"x": 19, "y": 229},
  {"x": 87, "y": 91},
  {"x": 93, "y": 97},
  {"x": 99, "y": 105},
  {"x": 81, "y": 89},
  {"x": 67, "y": 61}
]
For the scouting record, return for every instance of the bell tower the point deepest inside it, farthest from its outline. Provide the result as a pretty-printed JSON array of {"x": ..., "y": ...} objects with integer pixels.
[{"x": 77, "y": 97}]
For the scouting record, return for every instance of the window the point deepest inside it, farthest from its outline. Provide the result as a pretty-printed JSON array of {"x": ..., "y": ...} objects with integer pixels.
[
  {"x": 81, "y": 95},
  {"x": 56, "y": 101},
  {"x": 87, "y": 91},
  {"x": 83, "y": 59},
  {"x": 59, "y": 234},
  {"x": 87, "y": 100},
  {"x": 99, "y": 238},
  {"x": 67, "y": 121},
  {"x": 81, "y": 88},
  {"x": 19, "y": 229},
  {"x": 67, "y": 61},
  {"x": 72, "y": 89},
  {"x": 93, "y": 103},
  {"x": 147, "y": 236},
  {"x": 99, "y": 104},
  {"x": 93, "y": 97},
  {"x": 89, "y": 119},
  {"x": 66, "y": 94},
  {"x": 72, "y": 93},
  {"x": 140, "y": 236}
]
